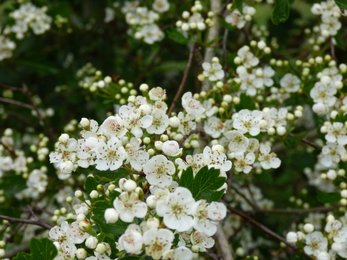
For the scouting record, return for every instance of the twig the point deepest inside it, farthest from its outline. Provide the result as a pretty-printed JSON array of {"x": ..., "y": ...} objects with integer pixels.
[
  {"x": 26, "y": 221},
  {"x": 332, "y": 48},
  {"x": 14, "y": 102},
  {"x": 223, "y": 245},
  {"x": 256, "y": 208},
  {"x": 11, "y": 88},
  {"x": 265, "y": 229},
  {"x": 184, "y": 79},
  {"x": 309, "y": 142},
  {"x": 224, "y": 46},
  {"x": 49, "y": 130},
  {"x": 295, "y": 211}
]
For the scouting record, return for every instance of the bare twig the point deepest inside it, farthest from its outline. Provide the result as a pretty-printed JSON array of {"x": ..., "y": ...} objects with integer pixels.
[
  {"x": 262, "y": 227},
  {"x": 332, "y": 48},
  {"x": 49, "y": 130},
  {"x": 26, "y": 221},
  {"x": 223, "y": 244},
  {"x": 224, "y": 46},
  {"x": 309, "y": 142},
  {"x": 184, "y": 79},
  {"x": 296, "y": 211},
  {"x": 11, "y": 88},
  {"x": 17, "y": 103},
  {"x": 253, "y": 205}
]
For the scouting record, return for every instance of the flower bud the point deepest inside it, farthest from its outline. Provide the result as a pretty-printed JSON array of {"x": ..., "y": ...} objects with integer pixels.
[
  {"x": 171, "y": 148},
  {"x": 63, "y": 138},
  {"x": 101, "y": 248},
  {"x": 91, "y": 242},
  {"x": 84, "y": 225},
  {"x": 130, "y": 185},
  {"x": 152, "y": 223},
  {"x": 308, "y": 228},
  {"x": 81, "y": 254},
  {"x": 292, "y": 237},
  {"x": 94, "y": 194},
  {"x": 111, "y": 215}
]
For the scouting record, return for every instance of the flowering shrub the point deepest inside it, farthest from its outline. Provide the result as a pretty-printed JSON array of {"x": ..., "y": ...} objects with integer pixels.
[{"x": 166, "y": 130}]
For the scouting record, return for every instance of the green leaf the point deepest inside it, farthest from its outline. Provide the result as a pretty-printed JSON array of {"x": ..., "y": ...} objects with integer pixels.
[
  {"x": 339, "y": 40},
  {"x": 328, "y": 197},
  {"x": 42, "y": 67},
  {"x": 90, "y": 184},
  {"x": 246, "y": 102},
  {"x": 280, "y": 12},
  {"x": 239, "y": 5},
  {"x": 22, "y": 256},
  {"x": 341, "y": 3},
  {"x": 99, "y": 207},
  {"x": 204, "y": 185},
  {"x": 110, "y": 230},
  {"x": 130, "y": 258},
  {"x": 297, "y": 256},
  {"x": 42, "y": 249},
  {"x": 111, "y": 175},
  {"x": 294, "y": 139},
  {"x": 176, "y": 36}
]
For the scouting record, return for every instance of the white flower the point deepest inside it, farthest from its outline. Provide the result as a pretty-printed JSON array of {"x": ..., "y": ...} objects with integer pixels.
[
  {"x": 336, "y": 133},
  {"x": 268, "y": 160},
  {"x": 216, "y": 160},
  {"x": 191, "y": 105},
  {"x": 161, "y": 6},
  {"x": 205, "y": 216},
  {"x": 248, "y": 121},
  {"x": 331, "y": 153},
  {"x": 160, "y": 122},
  {"x": 158, "y": 171},
  {"x": 213, "y": 71},
  {"x": 315, "y": 243},
  {"x": 131, "y": 241},
  {"x": 290, "y": 83},
  {"x": 243, "y": 163},
  {"x": 323, "y": 93},
  {"x": 133, "y": 120},
  {"x": 129, "y": 206},
  {"x": 151, "y": 33},
  {"x": 201, "y": 240},
  {"x": 110, "y": 155},
  {"x": 180, "y": 253},
  {"x": 247, "y": 58},
  {"x": 187, "y": 123},
  {"x": 214, "y": 126},
  {"x": 113, "y": 126},
  {"x": 157, "y": 242},
  {"x": 177, "y": 209},
  {"x": 236, "y": 19},
  {"x": 135, "y": 155},
  {"x": 157, "y": 94},
  {"x": 237, "y": 141},
  {"x": 171, "y": 148}
]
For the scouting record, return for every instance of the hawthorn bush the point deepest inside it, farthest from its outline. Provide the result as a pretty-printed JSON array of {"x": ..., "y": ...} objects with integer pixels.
[{"x": 173, "y": 129}]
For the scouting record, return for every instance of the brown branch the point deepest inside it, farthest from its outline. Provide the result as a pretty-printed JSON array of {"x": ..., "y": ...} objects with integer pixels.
[
  {"x": 263, "y": 228},
  {"x": 49, "y": 130},
  {"x": 308, "y": 142},
  {"x": 184, "y": 79},
  {"x": 224, "y": 47},
  {"x": 11, "y": 88},
  {"x": 256, "y": 208},
  {"x": 332, "y": 48},
  {"x": 223, "y": 244},
  {"x": 26, "y": 221},
  {"x": 14, "y": 102},
  {"x": 296, "y": 211}
]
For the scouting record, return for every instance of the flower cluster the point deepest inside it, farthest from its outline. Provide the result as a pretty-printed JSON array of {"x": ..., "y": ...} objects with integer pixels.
[{"x": 237, "y": 19}]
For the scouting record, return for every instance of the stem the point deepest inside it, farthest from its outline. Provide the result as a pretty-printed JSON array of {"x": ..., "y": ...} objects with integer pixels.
[
  {"x": 14, "y": 102},
  {"x": 332, "y": 48},
  {"x": 184, "y": 79},
  {"x": 26, "y": 221},
  {"x": 224, "y": 46},
  {"x": 265, "y": 229},
  {"x": 223, "y": 244},
  {"x": 296, "y": 211},
  {"x": 49, "y": 130},
  {"x": 309, "y": 142}
]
